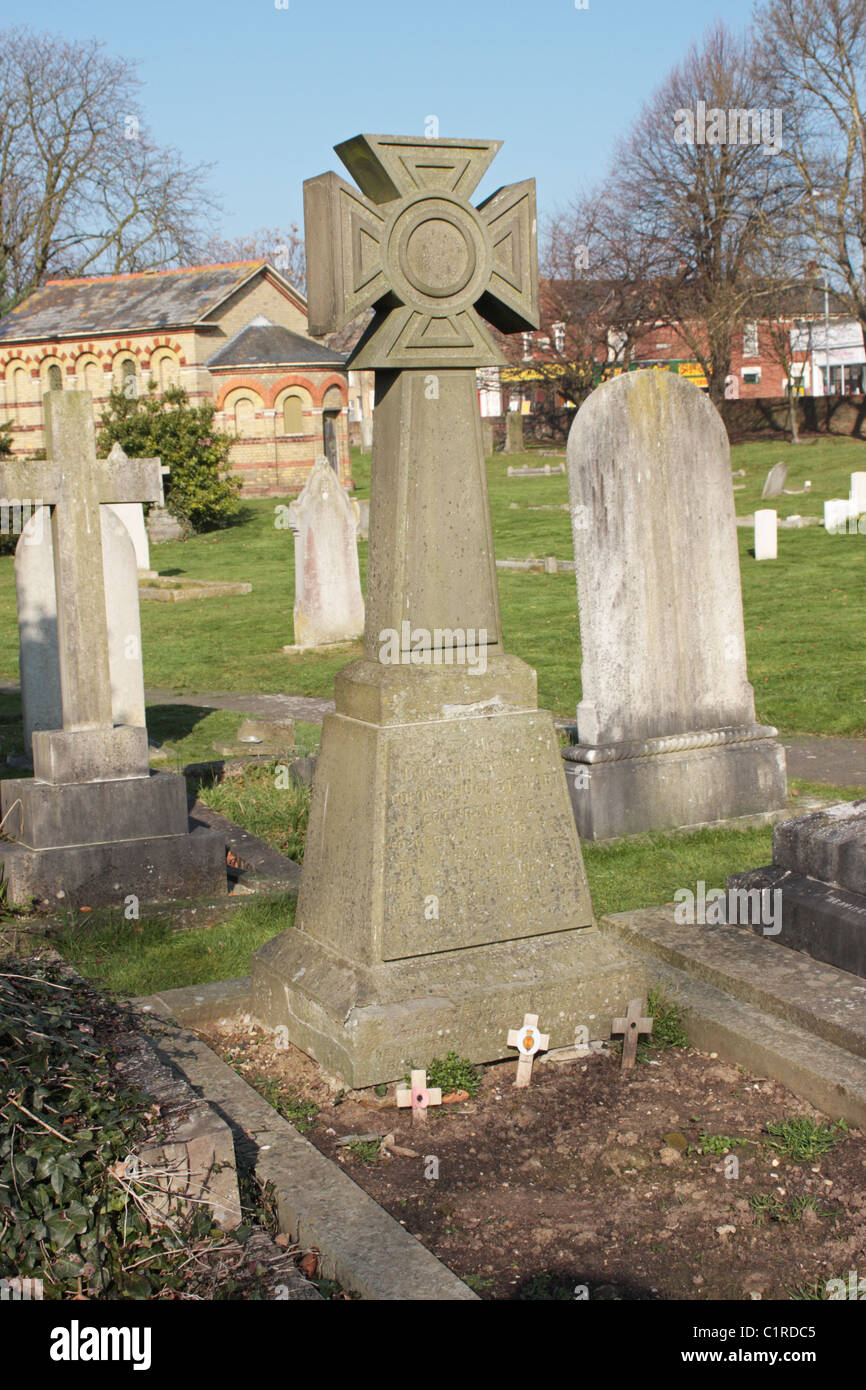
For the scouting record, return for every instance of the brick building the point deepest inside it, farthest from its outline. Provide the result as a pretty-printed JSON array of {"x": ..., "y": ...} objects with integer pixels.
[
  {"x": 799, "y": 347},
  {"x": 234, "y": 334}
]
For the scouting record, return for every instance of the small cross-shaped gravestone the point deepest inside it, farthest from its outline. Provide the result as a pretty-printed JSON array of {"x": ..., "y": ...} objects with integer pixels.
[
  {"x": 631, "y": 1027},
  {"x": 528, "y": 1041},
  {"x": 419, "y": 1095},
  {"x": 75, "y": 484},
  {"x": 94, "y": 823}
]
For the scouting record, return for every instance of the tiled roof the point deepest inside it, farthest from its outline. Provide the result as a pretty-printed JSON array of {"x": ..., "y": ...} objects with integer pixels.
[
  {"x": 124, "y": 303},
  {"x": 265, "y": 344}
]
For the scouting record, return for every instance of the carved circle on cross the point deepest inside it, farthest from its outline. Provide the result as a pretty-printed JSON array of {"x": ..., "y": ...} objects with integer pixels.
[{"x": 439, "y": 254}]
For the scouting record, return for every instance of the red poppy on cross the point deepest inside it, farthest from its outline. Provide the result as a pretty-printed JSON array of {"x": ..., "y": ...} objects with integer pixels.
[{"x": 419, "y": 1095}]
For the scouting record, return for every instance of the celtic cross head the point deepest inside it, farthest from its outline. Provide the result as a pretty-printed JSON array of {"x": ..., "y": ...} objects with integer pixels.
[{"x": 412, "y": 246}]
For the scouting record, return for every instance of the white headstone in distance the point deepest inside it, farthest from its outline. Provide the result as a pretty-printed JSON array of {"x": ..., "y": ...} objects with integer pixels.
[
  {"x": 329, "y": 606},
  {"x": 776, "y": 479},
  {"x": 858, "y": 494},
  {"x": 366, "y": 435},
  {"x": 836, "y": 513},
  {"x": 37, "y": 624},
  {"x": 766, "y": 534}
]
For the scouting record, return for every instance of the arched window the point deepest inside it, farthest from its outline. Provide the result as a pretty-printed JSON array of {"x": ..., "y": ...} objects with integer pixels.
[
  {"x": 245, "y": 416},
  {"x": 166, "y": 373},
  {"x": 54, "y": 378},
  {"x": 293, "y": 415},
  {"x": 20, "y": 387},
  {"x": 129, "y": 380},
  {"x": 93, "y": 379}
]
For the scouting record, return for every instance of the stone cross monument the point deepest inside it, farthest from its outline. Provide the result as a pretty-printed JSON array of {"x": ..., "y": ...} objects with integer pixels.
[
  {"x": 443, "y": 885},
  {"x": 93, "y": 823}
]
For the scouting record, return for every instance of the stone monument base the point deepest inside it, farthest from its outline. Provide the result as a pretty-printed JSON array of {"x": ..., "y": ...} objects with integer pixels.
[
  {"x": 443, "y": 892},
  {"x": 370, "y": 1024},
  {"x": 819, "y": 867},
  {"x": 687, "y": 779},
  {"x": 95, "y": 843}
]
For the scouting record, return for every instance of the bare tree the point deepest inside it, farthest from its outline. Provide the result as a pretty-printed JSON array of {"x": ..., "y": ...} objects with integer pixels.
[
  {"x": 699, "y": 183},
  {"x": 813, "y": 56},
  {"x": 84, "y": 189},
  {"x": 283, "y": 247},
  {"x": 600, "y": 282}
]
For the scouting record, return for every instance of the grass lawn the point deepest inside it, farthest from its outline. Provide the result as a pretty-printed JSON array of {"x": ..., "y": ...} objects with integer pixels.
[
  {"x": 134, "y": 958},
  {"x": 802, "y": 611},
  {"x": 803, "y": 625},
  {"x": 142, "y": 957}
]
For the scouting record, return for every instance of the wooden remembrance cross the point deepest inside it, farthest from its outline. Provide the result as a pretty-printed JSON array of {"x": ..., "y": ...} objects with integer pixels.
[
  {"x": 434, "y": 267},
  {"x": 75, "y": 484}
]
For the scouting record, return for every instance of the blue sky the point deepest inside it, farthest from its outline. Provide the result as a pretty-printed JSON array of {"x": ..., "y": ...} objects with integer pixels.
[{"x": 264, "y": 93}]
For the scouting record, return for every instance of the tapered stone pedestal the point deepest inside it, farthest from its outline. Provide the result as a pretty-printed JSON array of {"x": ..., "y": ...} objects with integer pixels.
[{"x": 443, "y": 890}]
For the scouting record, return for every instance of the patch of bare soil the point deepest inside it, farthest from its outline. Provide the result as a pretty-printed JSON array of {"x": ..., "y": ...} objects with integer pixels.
[{"x": 593, "y": 1182}]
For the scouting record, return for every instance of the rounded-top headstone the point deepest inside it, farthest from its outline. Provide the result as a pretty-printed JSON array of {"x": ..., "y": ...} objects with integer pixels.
[{"x": 657, "y": 563}]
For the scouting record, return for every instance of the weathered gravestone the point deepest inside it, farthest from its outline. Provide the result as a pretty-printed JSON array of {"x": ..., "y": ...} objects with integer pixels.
[
  {"x": 666, "y": 725},
  {"x": 776, "y": 479},
  {"x": 329, "y": 606},
  {"x": 162, "y": 526},
  {"x": 94, "y": 825},
  {"x": 513, "y": 432},
  {"x": 126, "y": 556},
  {"x": 366, "y": 435},
  {"x": 361, "y": 508},
  {"x": 442, "y": 883},
  {"x": 39, "y": 657}
]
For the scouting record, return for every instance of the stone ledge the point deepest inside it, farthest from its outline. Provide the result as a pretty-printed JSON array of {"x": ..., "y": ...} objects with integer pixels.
[
  {"x": 745, "y": 1001},
  {"x": 672, "y": 743},
  {"x": 819, "y": 998},
  {"x": 362, "y": 1247}
]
